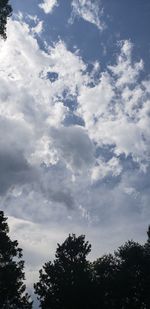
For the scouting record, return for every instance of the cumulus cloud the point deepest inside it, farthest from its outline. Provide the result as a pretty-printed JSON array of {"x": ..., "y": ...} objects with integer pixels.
[
  {"x": 105, "y": 169},
  {"x": 90, "y": 11},
  {"x": 75, "y": 147},
  {"x": 33, "y": 108},
  {"x": 112, "y": 108},
  {"x": 125, "y": 71},
  {"x": 48, "y": 5},
  {"x": 91, "y": 178}
]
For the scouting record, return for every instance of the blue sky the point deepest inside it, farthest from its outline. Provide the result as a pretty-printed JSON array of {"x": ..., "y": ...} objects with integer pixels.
[
  {"x": 122, "y": 20},
  {"x": 74, "y": 129}
]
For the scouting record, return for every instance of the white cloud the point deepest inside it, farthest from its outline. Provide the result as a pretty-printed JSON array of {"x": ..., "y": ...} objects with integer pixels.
[
  {"x": 48, "y": 5},
  {"x": 56, "y": 178},
  {"x": 106, "y": 169},
  {"x": 113, "y": 114},
  {"x": 90, "y": 11},
  {"x": 94, "y": 101},
  {"x": 125, "y": 71},
  {"x": 115, "y": 110},
  {"x": 30, "y": 107},
  {"x": 70, "y": 68},
  {"x": 38, "y": 28}
]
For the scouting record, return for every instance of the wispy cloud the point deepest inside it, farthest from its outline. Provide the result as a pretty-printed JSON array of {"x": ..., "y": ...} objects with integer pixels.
[
  {"x": 48, "y": 5},
  {"x": 90, "y": 11}
]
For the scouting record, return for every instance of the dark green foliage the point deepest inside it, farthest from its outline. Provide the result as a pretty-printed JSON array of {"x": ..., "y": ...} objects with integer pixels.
[
  {"x": 119, "y": 281},
  {"x": 104, "y": 288},
  {"x": 5, "y": 12},
  {"x": 12, "y": 288},
  {"x": 66, "y": 283},
  {"x": 131, "y": 276},
  {"x": 122, "y": 281},
  {"x": 148, "y": 234}
]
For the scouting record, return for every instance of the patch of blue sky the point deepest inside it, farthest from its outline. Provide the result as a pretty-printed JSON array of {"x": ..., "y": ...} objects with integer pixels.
[
  {"x": 52, "y": 76},
  {"x": 106, "y": 152},
  {"x": 72, "y": 119},
  {"x": 123, "y": 21},
  {"x": 130, "y": 20},
  {"x": 70, "y": 102}
]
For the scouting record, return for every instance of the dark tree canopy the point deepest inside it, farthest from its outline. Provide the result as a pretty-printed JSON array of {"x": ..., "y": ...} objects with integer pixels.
[
  {"x": 148, "y": 234},
  {"x": 5, "y": 12},
  {"x": 131, "y": 276},
  {"x": 65, "y": 283},
  {"x": 104, "y": 275},
  {"x": 118, "y": 281},
  {"x": 12, "y": 287}
]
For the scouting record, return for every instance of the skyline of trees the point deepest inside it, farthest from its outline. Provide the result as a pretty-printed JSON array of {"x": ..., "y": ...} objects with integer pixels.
[
  {"x": 113, "y": 281},
  {"x": 117, "y": 281}
]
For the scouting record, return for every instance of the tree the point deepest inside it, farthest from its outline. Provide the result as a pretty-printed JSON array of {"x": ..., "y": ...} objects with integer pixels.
[
  {"x": 5, "y": 12},
  {"x": 148, "y": 234},
  {"x": 119, "y": 281},
  {"x": 65, "y": 283},
  {"x": 12, "y": 287},
  {"x": 146, "y": 267},
  {"x": 104, "y": 282},
  {"x": 131, "y": 276}
]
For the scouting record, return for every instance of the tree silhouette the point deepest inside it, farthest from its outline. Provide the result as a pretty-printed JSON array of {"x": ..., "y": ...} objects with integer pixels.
[
  {"x": 104, "y": 282},
  {"x": 146, "y": 282},
  {"x": 12, "y": 288},
  {"x": 65, "y": 283},
  {"x": 133, "y": 264},
  {"x": 5, "y": 12},
  {"x": 118, "y": 281},
  {"x": 148, "y": 234}
]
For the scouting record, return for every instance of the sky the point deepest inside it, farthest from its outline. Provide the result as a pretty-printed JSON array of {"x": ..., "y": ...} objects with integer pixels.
[{"x": 74, "y": 125}]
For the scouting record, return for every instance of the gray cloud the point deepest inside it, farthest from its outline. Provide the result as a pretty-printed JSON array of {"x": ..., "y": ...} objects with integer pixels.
[
  {"x": 14, "y": 170},
  {"x": 74, "y": 146}
]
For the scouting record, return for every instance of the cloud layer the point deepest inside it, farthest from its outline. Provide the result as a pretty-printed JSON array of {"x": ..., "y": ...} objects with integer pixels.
[{"x": 75, "y": 151}]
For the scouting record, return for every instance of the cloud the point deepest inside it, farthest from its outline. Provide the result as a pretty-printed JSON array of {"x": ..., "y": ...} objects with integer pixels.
[
  {"x": 115, "y": 110},
  {"x": 33, "y": 108},
  {"x": 38, "y": 28},
  {"x": 105, "y": 169},
  {"x": 48, "y": 5},
  {"x": 89, "y": 10},
  {"x": 125, "y": 72},
  {"x": 75, "y": 147},
  {"x": 91, "y": 177},
  {"x": 94, "y": 101}
]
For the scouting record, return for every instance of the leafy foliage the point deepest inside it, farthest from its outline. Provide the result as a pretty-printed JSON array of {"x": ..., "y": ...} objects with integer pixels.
[
  {"x": 5, "y": 12},
  {"x": 131, "y": 276},
  {"x": 12, "y": 288},
  {"x": 65, "y": 283},
  {"x": 119, "y": 281},
  {"x": 104, "y": 275}
]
